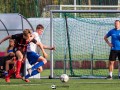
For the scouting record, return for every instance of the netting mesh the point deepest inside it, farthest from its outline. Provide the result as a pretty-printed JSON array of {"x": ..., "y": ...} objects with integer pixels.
[{"x": 89, "y": 52}]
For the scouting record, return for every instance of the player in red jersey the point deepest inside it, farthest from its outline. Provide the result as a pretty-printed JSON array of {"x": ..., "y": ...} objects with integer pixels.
[{"x": 22, "y": 40}]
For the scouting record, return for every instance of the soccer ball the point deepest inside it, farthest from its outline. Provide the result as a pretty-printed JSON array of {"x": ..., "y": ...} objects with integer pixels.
[
  {"x": 53, "y": 86},
  {"x": 64, "y": 78}
]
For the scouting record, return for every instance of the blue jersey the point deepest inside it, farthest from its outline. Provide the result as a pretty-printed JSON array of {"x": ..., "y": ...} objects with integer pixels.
[{"x": 115, "y": 38}]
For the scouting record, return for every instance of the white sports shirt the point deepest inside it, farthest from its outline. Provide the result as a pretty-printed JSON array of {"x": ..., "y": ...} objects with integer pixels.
[{"x": 33, "y": 47}]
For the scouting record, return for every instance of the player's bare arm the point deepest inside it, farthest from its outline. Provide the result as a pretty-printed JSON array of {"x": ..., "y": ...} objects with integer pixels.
[
  {"x": 42, "y": 49},
  {"x": 49, "y": 48},
  {"x": 107, "y": 41}
]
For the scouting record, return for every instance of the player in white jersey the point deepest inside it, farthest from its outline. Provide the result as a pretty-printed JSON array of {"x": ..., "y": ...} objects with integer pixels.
[{"x": 32, "y": 54}]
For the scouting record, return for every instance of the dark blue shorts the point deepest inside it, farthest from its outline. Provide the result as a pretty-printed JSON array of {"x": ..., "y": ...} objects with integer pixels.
[{"x": 32, "y": 57}]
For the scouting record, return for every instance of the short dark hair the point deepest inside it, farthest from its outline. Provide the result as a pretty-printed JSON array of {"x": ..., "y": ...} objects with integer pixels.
[
  {"x": 117, "y": 20},
  {"x": 39, "y": 26}
]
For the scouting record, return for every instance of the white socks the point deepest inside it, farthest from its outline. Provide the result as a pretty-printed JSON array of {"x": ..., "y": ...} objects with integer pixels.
[{"x": 110, "y": 73}]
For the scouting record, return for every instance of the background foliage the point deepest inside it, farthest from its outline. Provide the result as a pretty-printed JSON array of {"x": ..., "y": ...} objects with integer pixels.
[{"x": 34, "y": 8}]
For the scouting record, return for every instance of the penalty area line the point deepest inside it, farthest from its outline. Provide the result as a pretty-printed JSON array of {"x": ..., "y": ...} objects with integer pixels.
[
  {"x": 24, "y": 84},
  {"x": 97, "y": 82}
]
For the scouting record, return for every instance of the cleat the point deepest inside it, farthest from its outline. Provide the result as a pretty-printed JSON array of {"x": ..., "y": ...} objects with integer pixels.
[
  {"x": 26, "y": 80},
  {"x": 18, "y": 76},
  {"x": 109, "y": 77},
  {"x": 7, "y": 79},
  {"x": 29, "y": 71}
]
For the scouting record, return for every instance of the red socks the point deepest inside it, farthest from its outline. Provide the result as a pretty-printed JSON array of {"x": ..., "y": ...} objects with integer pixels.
[
  {"x": 18, "y": 67},
  {"x": 10, "y": 72}
]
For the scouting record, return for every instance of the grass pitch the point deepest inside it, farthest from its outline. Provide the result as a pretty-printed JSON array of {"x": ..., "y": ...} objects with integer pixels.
[{"x": 72, "y": 84}]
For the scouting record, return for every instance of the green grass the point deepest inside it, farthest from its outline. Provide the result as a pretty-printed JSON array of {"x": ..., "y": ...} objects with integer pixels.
[
  {"x": 80, "y": 72},
  {"x": 72, "y": 84}
]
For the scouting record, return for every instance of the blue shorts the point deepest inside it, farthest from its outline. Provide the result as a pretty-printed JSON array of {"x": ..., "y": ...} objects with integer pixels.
[{"x": 32, "y": 57}]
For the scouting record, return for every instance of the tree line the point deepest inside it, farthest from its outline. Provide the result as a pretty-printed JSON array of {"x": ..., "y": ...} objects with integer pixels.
[{"x": 34, "y": 8}]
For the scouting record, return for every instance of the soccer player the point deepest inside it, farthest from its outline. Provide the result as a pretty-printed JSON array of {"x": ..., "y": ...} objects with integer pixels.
[
  {"x": 33, "y": 54},
  {"x": 22, "y": 40},
  {"x": 33, "y": 58},
  {"x": 37, "y": 34},
  {"x": 114, "y": 45}
]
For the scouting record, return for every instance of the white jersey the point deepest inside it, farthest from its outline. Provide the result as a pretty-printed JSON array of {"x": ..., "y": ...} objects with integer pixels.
[{"x": 33, "y": 47}]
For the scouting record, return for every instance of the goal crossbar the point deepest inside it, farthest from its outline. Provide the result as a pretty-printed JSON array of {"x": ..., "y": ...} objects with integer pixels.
[{"x": 85, "y": 11}]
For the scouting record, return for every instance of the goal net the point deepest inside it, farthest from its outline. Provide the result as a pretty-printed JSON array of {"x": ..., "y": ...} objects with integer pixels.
[{"x": 80, "y": 47}]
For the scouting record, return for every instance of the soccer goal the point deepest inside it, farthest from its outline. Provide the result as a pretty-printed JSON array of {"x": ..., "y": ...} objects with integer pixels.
[{"x": 80, "y": 47}]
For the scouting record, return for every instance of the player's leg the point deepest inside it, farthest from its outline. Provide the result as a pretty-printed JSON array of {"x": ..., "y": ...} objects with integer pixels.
[
  {"x": 111, "y": 67},
  {"x": 7, "y": 64},
  {"x": 41, "y": 61},
  {"x": 119, "y": 64},
  {"x": 18, "y": 64},
  {"x": 112, "y": 58},
  {"x": 38, "y": 70},
  {"x": 119, "y": 70},
  {"x": 10, "y": 72},
  {"x": 33, "y": 58}
]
